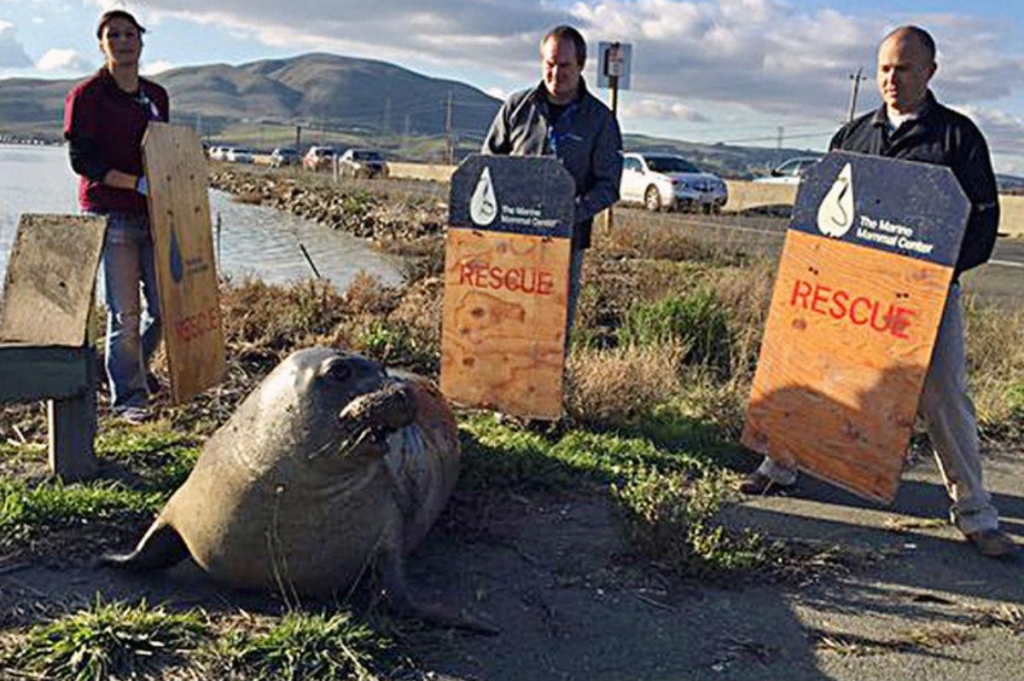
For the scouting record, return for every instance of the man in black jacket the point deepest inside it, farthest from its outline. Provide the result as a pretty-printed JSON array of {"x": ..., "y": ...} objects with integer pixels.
[
  {"x": 560, "y": 117},
  {"x": 911, "y": 125}
]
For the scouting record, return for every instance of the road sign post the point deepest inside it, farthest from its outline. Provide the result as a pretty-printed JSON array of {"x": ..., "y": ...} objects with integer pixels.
[
  {"x": 614, "y": 60},
  {"x": 507, "y": 284},
  {"x": 859, "y": 295}
]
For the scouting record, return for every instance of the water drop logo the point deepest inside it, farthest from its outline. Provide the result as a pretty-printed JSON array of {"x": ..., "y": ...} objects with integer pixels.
[
  {"x": 177, "y": 264},
  {"x": 483, "y": 207},
  {"x": 835, "y": 214}
]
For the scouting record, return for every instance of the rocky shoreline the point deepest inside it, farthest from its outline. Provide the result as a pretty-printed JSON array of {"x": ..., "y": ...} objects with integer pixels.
[{"x": 382, "y": 214}]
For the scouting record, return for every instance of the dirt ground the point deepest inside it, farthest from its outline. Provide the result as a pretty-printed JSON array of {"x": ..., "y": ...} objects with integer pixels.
[{"x": 551, "y": 571}]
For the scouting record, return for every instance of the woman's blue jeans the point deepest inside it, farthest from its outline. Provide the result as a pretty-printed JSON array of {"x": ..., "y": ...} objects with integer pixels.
[{"x": 132, "y": 337}]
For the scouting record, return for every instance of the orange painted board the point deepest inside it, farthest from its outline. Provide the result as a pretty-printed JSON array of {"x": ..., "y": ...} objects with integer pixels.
[
  {"x": 846, "y": 348},
  {"x": 179, "y": 211},
  {"x": 503, "y": 321}
]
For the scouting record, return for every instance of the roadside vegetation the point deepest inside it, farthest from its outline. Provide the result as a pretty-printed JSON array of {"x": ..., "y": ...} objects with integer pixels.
[{"x": 659, "y": 372}]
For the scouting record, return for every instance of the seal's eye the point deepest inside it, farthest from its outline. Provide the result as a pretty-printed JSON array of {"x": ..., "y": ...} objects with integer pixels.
[{"x": 338, "y": 369}]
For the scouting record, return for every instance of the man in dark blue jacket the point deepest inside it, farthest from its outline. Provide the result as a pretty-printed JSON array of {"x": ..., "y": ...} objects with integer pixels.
[
  {"x": 911, "y": 125},
  {"x": 560, "y": 117}
]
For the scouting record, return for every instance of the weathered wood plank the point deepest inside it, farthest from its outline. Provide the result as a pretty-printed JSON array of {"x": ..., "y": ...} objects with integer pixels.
[
  {"x": 73, "y": 424},
  {"x": 503, "y": 321},
  {"x": 183, "y": 245},
  {"x": 51, "y": 279}
]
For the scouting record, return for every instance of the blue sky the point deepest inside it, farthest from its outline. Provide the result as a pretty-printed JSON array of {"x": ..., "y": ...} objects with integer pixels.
[{"x": 704, "y": 70}]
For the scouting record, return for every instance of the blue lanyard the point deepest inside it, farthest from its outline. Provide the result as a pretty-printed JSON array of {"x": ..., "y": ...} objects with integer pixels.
[{"x": 565, "y": 123}]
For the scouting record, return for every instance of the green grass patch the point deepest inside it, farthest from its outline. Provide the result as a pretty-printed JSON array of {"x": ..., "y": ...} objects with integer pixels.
[
  {"x": 498, "y": 456},
  {"x": 307, "y": 646},
  {"x": 108, "y": 641},
  {"x": 394, "y": 343},
  {"x": 28, "y": 512},
  {"x": 161, "y": 459},
  {"x": 668, "y": 499}
]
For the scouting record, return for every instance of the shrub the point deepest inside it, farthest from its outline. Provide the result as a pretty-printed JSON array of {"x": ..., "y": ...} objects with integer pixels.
[
  {"x": 671, "y": 518},
  {"x": 697, "y": 322}
]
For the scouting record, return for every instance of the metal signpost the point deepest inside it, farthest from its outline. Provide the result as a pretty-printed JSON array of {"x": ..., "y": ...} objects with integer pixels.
[
  {"x": 613, "y": 71},
  {"x": 858, "y": 299},
  {"x": 507, "y": 284}
]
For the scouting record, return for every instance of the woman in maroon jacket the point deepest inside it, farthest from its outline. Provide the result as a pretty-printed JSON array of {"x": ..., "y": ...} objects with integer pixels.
[{"x": 105, "y": 118}]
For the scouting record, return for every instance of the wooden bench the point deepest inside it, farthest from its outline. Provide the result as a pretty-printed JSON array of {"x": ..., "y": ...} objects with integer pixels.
[{"x": 45, "y": 351}]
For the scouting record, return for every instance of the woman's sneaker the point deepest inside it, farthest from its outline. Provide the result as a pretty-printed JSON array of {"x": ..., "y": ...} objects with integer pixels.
[{"x": 135, "y": 415}]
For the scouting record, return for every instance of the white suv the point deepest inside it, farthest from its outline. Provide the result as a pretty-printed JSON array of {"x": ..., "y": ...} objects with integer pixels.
[{"x": 670, "y": 182}]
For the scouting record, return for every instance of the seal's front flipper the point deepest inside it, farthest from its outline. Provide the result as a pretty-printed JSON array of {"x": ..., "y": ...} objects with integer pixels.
[
  {"x": 396, "y": 594},
  {"x": 161, "y": 548}
]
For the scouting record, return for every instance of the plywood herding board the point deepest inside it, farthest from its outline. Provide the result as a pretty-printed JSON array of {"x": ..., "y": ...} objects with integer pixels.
[
  {"x": 845, "y": 352},
  {"x": 179, "y": 212},
  {"x": 51, "y": 278},
  {"x": 503, "y": 338}
]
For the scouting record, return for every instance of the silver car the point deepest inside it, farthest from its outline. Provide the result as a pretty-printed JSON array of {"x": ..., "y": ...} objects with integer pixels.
[{"x": 670, "y": 182}]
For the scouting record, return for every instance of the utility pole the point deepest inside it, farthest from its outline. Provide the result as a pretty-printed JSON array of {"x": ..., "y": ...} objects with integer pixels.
[
  {"x": 854, "y": 89},
  {"x": 298, "y": 139},
  {"x": 449, "y": 145},
  {"x": 778, "y": 146}
]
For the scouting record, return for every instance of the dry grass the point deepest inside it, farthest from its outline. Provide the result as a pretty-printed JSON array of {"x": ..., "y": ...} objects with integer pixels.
[
  {"x": 995, "y": 364},
  {"x": 645, "y": 236},
  {"x": 620, "y": 386}
]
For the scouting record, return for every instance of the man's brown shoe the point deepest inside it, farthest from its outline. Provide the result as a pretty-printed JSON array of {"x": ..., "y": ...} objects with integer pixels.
[
  {"x": 757, "y": 483},
  {"x": 992, "y": 543}
]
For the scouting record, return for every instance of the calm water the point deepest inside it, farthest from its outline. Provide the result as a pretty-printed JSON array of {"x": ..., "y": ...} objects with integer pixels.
[{"x": 254, "y": 241}]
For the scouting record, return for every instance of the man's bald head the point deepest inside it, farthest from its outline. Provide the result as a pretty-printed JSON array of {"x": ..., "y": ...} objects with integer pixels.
[
  {"x": 924, "y": 38},
  {"x": 906, "y": 63}
]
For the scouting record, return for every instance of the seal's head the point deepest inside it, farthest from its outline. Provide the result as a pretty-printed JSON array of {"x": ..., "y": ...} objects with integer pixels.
[{"x": 343, "y": 402}]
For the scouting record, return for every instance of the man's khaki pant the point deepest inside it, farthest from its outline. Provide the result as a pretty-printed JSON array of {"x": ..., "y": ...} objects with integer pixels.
[{"x": 952, "y": 427}]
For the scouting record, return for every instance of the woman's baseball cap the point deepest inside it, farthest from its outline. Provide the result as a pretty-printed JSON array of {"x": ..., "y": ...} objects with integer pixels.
[{"x": 107, "y": 17}]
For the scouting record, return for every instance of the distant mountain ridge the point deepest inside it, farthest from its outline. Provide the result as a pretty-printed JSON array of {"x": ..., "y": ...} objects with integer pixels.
[
  {"x": 314, "y": 89},
  {"x": 340, "y": 100}
]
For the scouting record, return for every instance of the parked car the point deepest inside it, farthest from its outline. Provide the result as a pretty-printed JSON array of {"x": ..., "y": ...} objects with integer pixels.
[
  {"x": 284, "y": 156},
  {"x": 218, "y": 153},
  {"x": 670, "y": 182},
  {"x": 366, "y": 163},
  {"x": 239, "y": 155},
  {"x": 790, "y": 172},
  {"x": 319, "y": 158}
]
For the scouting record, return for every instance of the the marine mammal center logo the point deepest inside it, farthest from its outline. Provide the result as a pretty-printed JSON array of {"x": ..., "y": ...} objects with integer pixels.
[
  {"x": 483, "y": 206},
  {"x": 836, "y": 212}
]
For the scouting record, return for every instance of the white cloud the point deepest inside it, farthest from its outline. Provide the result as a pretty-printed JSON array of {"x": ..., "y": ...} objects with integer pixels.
[
  {"x": 64, "y": 60},
  {"x": 1004, "y": 131},
  {"x": 498, "y": 93},
  {"x": 156, "y": 67},
  {"x": 12, "y": 53},
  {"x": 661, "y": 109},
  {"x": 773, "y": 58}
]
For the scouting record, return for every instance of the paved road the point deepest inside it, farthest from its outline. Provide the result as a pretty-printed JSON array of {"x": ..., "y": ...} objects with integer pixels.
[{"x": 1000, "y": 281}]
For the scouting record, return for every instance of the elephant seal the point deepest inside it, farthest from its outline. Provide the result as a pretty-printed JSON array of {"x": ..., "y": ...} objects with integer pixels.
[{"x": 331, "y": 468}]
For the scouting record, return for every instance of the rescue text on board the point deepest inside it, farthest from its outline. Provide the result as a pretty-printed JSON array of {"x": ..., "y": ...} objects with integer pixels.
[
  {"x": 515, "y": 279},
  {"x": 853, "y": 309}
]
